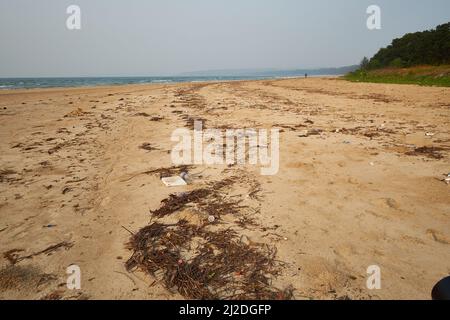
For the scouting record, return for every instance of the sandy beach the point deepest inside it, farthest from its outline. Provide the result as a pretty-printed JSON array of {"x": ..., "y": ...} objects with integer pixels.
[{"x": 360, "y": 183}]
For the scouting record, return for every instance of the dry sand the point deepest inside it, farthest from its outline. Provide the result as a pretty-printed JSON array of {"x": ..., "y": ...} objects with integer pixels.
[{"x": 353, "y": 196}]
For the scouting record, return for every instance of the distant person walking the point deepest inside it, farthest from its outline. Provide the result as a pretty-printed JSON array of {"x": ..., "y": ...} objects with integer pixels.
[{"x": 306, "y": 75}]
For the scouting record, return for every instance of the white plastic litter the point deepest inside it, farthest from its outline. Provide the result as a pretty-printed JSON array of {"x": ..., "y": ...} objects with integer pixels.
[
  {"x": 303, "y": 133},
  {"x": 175, "y": 181},
  {"x": 186, "y": 177},
  {"x": 447, "y": 180}
]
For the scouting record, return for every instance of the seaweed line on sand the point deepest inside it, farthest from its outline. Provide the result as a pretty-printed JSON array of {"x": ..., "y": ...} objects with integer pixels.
[{"x": 220, "y": 267}]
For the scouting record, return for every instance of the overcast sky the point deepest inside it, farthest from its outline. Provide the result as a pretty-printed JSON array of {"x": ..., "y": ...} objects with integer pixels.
[{"x": 163, "y": 37}]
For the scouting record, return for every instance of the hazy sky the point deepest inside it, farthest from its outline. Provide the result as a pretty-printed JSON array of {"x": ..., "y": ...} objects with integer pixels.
[{"x": 160, "y": 37}]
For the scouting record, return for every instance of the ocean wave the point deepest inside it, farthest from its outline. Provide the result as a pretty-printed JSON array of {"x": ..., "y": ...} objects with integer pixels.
[
  {"x": 25, "y": 83},
  {"x": 161, "y": 81}
]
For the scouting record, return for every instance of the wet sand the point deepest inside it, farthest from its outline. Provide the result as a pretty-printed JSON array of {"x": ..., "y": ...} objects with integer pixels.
[{"x": 365, "y": 190}]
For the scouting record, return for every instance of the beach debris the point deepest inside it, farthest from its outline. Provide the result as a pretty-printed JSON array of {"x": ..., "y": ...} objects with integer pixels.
[
  {"x": 447, "y": 178},
  {"x": 49, "y": 226},
  {"x": 13, "y": 255},
  {"x": 163, "y": 172},
  {"x": 371, "y": 134},
  {"x": 185, "y": 176},
  {"x": 56, "y": 148},
  {"x": 63, "y": 131},
  {"x": 309, "y": 132},
  {"x": 176, "y": 202},
  {"x": 207, "y": 200},
  {"x": 430, "y": 152},
  {"x": 202, "y": 264},
  {"x": 77, "y": 180},
  {"x": 190, "y": 121},
  {"x": 314, "y": 132},
  {"x": 142, "y": 114},
  {"x": 430, "y": 134},
  {"x": 55, "y": 295},
  {"x": 174, "y": 181},
  {"x": 66, "y": 189},
  {"x": 246, "y": 222},
  {"x": 303, "y": 133},
  {"x": 167, "y": 172},
  {"x": 147, "y": 146},
  {"x": 211, "y": 219}
]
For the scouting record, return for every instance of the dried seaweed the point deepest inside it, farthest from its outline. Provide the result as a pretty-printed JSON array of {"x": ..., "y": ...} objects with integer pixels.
[
  {"x": 246, "y": 222},
  {"x": 220, "y": 267},
  {"x": 163, "y": 172},
  {"x": 170, "y": 171},
  {"x": 430, "y": 152},
  {"x": 13, "y": 257},
  {"x": 147, "y": 146},
  {"x": 176, "y": 202},
  {"x": 55, "y": 295},
  {"x": 208, "y": 200},
  {"x": 190, "y": 121},
  {"x": 142, "y": 114}
]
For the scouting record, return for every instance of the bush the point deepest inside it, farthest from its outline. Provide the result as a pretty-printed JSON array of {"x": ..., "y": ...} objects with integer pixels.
[
  {"x": 397, "y": 63},
  {"x": 431, "y": 47}
]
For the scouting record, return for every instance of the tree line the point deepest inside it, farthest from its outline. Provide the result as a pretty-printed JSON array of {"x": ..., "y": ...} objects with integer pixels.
[{"x": 431, "y": 47}]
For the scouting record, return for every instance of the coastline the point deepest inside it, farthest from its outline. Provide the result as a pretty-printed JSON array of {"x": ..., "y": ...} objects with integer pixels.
[{"x": 154, "y": 82}]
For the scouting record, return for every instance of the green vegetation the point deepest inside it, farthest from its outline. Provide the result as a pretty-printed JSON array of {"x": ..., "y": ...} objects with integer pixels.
[
  {"x": 416, "y": 58},
  {"x": 422, "y": 75}
]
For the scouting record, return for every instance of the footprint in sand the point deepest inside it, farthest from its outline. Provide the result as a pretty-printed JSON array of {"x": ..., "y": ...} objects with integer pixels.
[{"x": 438, "y": 236}]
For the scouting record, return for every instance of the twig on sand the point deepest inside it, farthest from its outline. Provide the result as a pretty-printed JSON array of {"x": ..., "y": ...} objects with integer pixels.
[
  {"x": 13, "y": 257},
  {"x": 128, "y": 231}
]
